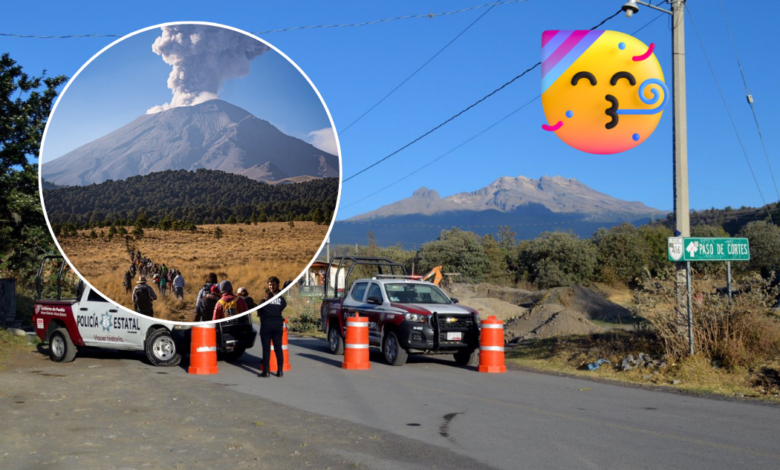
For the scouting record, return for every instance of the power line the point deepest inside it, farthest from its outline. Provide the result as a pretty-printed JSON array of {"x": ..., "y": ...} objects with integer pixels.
[
  {"x": 415, "y": 72},
  {"x": 749, "y": 99},
  {"x": 445, "y": 154},
  {"x": 294, "y": 28},
  {"x": 479, "y": 133},
  {"x": 728, "y": 111}
]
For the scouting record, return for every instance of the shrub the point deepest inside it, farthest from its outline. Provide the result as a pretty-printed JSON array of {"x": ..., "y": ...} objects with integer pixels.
[
  {"x": 558, "y": 259},
  {"x": 622, "y": 253},
  {"x": 764, "y": 239},
  {"x": 456, "y": 251}
]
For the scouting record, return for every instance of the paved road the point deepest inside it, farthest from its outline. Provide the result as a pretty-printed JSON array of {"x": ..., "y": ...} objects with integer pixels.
[{"x": 519, "y": 419}]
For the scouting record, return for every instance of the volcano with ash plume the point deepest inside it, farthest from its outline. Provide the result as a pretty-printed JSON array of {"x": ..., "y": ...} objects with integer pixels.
[{"x": 215, "y": 135}]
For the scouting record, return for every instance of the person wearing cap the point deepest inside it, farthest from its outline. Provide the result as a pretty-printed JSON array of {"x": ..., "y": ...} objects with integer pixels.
[
  {"x": 272, "y": 327},
  {"x": 229, "y": 305},
  {"x": 244, "y": 294},
  {"x": 204, "y": 310},
  {"x": 143, "y": 296}
]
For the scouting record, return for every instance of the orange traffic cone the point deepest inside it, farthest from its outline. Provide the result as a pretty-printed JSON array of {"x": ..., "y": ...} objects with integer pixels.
[
  {"x": 273, "y": 364},
  {"x": 491, "y": 346},
  {"x": 356, "y": 344},
  {"x": 203, "y": 350}
]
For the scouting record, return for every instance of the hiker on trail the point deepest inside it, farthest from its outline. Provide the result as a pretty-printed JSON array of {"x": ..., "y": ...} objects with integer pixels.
[
  {"x": 209, "y": 281},
  {"x": 163, "y": 270},
  {"x": 244, "y": 294},
  {"x": 163, "y": 285},
  {"x": 132, "y": 270},
  {"x": 143, "y": 296},
  {"x": 229, "y": 305},
  {"x": 128, "y": 282},
  {"x": 204, "y": 310},
  {"x": 178, "y": 286}
]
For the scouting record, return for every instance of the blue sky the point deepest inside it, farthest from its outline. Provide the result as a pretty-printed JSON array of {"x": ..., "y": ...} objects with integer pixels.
[
  {"x": 128, "y": 79},
  {"x": 353, "y": 67}
]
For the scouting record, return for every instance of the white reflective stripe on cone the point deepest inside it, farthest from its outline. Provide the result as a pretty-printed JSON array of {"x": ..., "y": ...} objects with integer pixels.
[
  {"x": 206, "y": 349},
  {"x": 493, "y": 326},
  {"x": 284, "y": 347},
  {"x": 491, "y": 348},
  {"x": 356, "y": 346},
  {"x": 358, "y": 324}
]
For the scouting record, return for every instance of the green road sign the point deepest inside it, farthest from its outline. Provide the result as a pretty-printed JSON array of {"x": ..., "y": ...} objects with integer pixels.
[{"x": 708, "y": 249}]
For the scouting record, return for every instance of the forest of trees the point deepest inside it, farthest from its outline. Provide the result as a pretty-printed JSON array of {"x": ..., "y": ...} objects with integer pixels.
[
  {"x": 618, "y": 255},
  {"x": 197, "y": 197}
]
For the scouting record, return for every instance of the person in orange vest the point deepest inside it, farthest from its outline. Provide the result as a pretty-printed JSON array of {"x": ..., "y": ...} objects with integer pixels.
[{"x": 229, "y": 305}]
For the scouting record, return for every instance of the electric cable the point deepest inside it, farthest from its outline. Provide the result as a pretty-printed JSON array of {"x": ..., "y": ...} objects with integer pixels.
[
  {"x": 728, "y": 111},
  {"x": 749, "y": 98},
  {"x": 415, "y": 72},
  {"x": 463, "y": 111},
  {"x": 294, "y": 28}
]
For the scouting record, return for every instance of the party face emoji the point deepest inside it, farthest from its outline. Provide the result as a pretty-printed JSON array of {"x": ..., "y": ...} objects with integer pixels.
[{"x": 603, "y": 92}]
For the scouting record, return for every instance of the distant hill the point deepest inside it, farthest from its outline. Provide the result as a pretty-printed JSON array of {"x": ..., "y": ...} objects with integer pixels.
[
  {"x": 196, "y": 196},
  {"x": 214, "y": 135},
  {"x": 528, "y": 206},
  {"x": 732, "y": 220},
  {"x": 49, "y": 185}
]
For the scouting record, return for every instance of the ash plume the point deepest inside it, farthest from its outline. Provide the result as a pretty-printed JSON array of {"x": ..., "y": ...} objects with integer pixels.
[{"x": 203, "y": 57}]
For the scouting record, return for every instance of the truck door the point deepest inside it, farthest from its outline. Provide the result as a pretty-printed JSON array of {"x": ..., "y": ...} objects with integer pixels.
[
  {"x": 374, "y": 312},
  {"x": 104, "y": 325}
]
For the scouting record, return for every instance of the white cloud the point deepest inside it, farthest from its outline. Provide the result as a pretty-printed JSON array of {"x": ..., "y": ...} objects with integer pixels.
[{"x": 324, "y": 139}]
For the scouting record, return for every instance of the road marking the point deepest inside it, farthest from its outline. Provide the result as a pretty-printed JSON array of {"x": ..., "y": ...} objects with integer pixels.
[{"x": 560, "y": 415}]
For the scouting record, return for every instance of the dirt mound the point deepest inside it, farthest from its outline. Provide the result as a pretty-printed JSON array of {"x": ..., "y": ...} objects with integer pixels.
[
  {"x": 593, "y": 305},
  {"x": 502, "y": 310},
  {"x": 547, "y": 320},
  {"x": 511, "y": 295}
]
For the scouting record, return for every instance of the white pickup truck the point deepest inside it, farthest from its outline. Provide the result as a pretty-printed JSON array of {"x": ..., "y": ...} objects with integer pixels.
[{"x": 69, "y": 315}]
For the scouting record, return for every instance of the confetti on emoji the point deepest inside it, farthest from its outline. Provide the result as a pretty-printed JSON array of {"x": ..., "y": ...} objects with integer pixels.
[{"x": 603, "y": 92}]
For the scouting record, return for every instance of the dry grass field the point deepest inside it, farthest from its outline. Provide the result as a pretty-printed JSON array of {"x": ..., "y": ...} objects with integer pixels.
[{"x": 246, "y": 255}]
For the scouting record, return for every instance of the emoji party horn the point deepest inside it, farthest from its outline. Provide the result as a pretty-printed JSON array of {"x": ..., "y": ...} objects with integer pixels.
[{"x": 603, "y": 92}]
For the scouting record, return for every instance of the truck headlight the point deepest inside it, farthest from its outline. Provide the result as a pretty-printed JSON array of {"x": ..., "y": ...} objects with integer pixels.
[{"x": 414, "y": 317}]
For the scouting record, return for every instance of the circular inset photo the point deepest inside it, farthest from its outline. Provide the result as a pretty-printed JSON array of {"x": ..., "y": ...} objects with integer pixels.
[{"x": 187, "y": 169}]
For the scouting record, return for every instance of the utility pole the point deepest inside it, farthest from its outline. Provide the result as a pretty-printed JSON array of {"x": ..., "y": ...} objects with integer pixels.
[{"x": 682, "y": 226}]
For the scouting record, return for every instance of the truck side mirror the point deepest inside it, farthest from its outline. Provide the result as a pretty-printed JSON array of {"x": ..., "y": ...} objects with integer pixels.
[
  {"x": 374, "y": 300},
  {"x": 454, "y": 300}
]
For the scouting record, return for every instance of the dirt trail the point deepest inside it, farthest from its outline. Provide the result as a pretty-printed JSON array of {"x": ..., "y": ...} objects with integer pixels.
[{"x": 102, "y": 412}]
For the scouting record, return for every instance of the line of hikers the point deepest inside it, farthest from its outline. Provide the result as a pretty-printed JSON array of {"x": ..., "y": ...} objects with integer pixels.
[
  {"x": 162, "y": 277},
  {"x": 215, "y": 300}
]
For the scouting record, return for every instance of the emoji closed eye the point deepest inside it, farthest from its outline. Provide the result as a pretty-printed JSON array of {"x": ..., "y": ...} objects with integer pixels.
[
  {"x": 587, "y": 75},
  {"x": 619, "y": 75}
]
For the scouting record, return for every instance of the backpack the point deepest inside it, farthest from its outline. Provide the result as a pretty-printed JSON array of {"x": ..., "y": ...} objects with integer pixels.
[
  {"x": 229, "y": 308},
  {"x": 142, "y": 294}
]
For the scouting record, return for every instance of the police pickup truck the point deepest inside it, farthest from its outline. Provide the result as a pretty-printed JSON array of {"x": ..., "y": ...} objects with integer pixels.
[
  {"x": 405, "y": 315},
  {"x": 69, "y": 315}
]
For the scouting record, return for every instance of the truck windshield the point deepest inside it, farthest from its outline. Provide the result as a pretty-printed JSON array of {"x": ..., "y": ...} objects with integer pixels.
[{"x": 415, "y": 294}]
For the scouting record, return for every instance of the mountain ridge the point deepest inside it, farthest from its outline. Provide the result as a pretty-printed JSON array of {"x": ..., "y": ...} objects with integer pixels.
[{"x": 214, "y": 135}]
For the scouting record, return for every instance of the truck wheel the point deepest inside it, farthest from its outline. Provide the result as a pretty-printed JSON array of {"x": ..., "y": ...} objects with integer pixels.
[
  {"x": 161, "y": 349},
  {"x": 395, "y": 355},
  {"x": 61, "y": 347},
  {"x": 335, "y": 341},
  {"x": 467, "y": 357},
  {"x": 235, "y": 354}
]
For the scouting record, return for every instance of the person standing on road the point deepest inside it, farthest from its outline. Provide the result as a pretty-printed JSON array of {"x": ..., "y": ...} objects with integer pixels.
[
  {"x": 178, "y": 286},
  {"x": 143, "y": 296},
  {"x": 272, "y": 327},
  {"x": 229, "y": 305}
]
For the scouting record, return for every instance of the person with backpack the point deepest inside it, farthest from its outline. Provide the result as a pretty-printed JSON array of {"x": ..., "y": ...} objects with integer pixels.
[
  {"x": 143, "y": 296},
  {"x": 204, "y": 309},
  {"x": 244, "y": 294},
  {"x": 163, "y": 270},
  {"x": 210, "y": 280},
  {"x": 272, "y": 327},
  {"x": 229, "y": 305}
]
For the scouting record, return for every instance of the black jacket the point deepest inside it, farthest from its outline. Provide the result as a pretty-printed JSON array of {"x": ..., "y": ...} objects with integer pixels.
[
  {"x": 204, "y": 311},
  {"x": 273, "y": 310}
]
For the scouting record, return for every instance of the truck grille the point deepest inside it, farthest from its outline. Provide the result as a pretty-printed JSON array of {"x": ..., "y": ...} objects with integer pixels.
[{"x": 449, "y": 322}]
